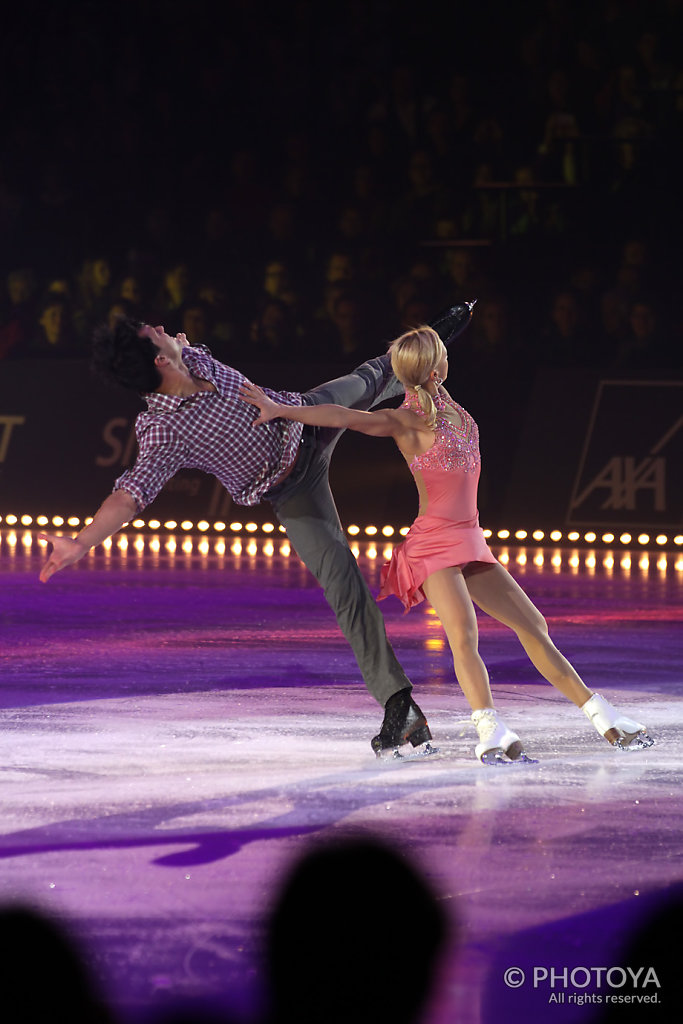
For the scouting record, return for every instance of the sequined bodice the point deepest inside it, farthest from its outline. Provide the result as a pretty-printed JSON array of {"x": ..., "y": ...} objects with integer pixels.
[{"x": 456, "y": 445}]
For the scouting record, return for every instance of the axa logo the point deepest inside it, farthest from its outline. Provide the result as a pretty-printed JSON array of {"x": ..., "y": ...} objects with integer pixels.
[
  {"x": 621, "y": 469},
  {"x": 623, "y": 478}
]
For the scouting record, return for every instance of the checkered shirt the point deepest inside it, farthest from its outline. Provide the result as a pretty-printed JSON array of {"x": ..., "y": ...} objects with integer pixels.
[{"x": 212, "y": 432}]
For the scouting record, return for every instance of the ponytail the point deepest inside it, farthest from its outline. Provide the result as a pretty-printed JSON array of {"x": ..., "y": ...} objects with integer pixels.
[
  {"x": 426, "y": 403},
  {"x": 413, "y": 357}
]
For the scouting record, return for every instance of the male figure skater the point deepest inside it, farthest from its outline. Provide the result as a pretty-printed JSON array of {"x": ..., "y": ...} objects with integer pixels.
[{"x": 196, "y": 419}]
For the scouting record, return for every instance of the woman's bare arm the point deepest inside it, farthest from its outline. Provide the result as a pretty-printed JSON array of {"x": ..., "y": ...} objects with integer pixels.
[{"x": 396, "y": 423}]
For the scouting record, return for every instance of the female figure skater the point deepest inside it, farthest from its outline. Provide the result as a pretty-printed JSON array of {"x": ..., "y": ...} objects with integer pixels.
[{"x": 444, "y": 557}]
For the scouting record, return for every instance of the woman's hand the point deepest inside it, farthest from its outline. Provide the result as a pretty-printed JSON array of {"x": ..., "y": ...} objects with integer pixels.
[{"x": 268, "y": 409}]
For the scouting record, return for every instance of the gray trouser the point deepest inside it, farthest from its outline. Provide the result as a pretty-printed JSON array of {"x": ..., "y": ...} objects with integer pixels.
[{"x": 305, "y": 507}]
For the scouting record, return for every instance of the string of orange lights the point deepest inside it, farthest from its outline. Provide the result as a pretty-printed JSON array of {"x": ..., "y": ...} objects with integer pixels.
[{"x": 594, "y": 537}]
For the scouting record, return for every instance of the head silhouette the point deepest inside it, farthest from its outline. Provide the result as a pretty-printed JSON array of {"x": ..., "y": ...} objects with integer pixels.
[{"x": 332, "y": 952}]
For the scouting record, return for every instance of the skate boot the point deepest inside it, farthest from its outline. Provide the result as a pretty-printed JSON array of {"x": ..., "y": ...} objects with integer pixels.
[
  {"x": 620, "y": 731},
  {"x": 403, "y": 723},
  {"x": 453, "y": 321},
  {"x": 497, "y": 745}
]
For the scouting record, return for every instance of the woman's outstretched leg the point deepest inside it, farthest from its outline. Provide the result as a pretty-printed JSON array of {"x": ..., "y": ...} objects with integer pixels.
[{"x": 493, "y": 589}]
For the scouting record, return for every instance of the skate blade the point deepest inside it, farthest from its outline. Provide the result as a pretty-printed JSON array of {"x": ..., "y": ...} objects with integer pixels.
[
  {"x": 496, "y": 758},
  {"x": 516, "y": 752},
  {"x": 408, "y": 753},
  {"x": 634, "y": 741}
]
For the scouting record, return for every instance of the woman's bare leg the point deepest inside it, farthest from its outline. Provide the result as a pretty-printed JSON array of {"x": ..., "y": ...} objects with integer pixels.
[
  {"x": 447, "y": 593},
  {"x": 495, "y": 591}
]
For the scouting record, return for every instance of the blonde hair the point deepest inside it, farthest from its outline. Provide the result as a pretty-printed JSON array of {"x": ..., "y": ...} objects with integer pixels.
[{"x": 413, "y": 357}]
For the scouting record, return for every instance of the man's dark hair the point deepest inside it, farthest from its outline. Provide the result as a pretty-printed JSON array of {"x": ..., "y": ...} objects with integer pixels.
[{"x": 121, "y": 356}]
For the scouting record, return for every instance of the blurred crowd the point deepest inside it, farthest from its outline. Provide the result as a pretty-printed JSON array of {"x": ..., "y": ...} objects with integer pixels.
[{"x": 296, "y": 182}]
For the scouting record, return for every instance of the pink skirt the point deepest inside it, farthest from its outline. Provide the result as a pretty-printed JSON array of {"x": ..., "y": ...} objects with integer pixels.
[{"x": 430, "y": 545}]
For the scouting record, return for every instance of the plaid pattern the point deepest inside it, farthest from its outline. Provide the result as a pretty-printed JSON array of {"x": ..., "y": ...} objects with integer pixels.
[{"x": 211, "y": 432}]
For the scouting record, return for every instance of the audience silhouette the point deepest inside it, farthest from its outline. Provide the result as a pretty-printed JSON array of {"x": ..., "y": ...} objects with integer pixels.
[{"x": 331, "y": 952}]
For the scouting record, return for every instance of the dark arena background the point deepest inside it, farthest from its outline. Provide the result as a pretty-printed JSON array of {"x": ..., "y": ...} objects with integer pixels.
[{"x": 293, "y": 185}]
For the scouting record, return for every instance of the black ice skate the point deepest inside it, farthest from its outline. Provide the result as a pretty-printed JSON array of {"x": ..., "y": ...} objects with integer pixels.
[
  {"x": 403, "y": 723},
  {"x": 453, "y": 321}
]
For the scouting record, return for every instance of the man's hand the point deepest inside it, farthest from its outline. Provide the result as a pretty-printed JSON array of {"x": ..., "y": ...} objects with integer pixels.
[
  {"x": 268, "y": 409},
  {"x": 65, "y": 551},
  {"x": 113, "y": 513}
]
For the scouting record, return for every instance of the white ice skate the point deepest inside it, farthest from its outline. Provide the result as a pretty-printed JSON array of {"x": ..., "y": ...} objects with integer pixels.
[
  {"x": 497, "y": 745},
  {"x": 619, "y": 730}
]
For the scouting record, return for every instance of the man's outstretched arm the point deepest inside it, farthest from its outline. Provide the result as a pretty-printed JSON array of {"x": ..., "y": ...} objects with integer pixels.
[{"x": 117, "y": 509}]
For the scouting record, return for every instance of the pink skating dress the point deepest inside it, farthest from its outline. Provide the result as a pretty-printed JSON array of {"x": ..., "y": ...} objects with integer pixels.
[{"x": 447, "y": 532}]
